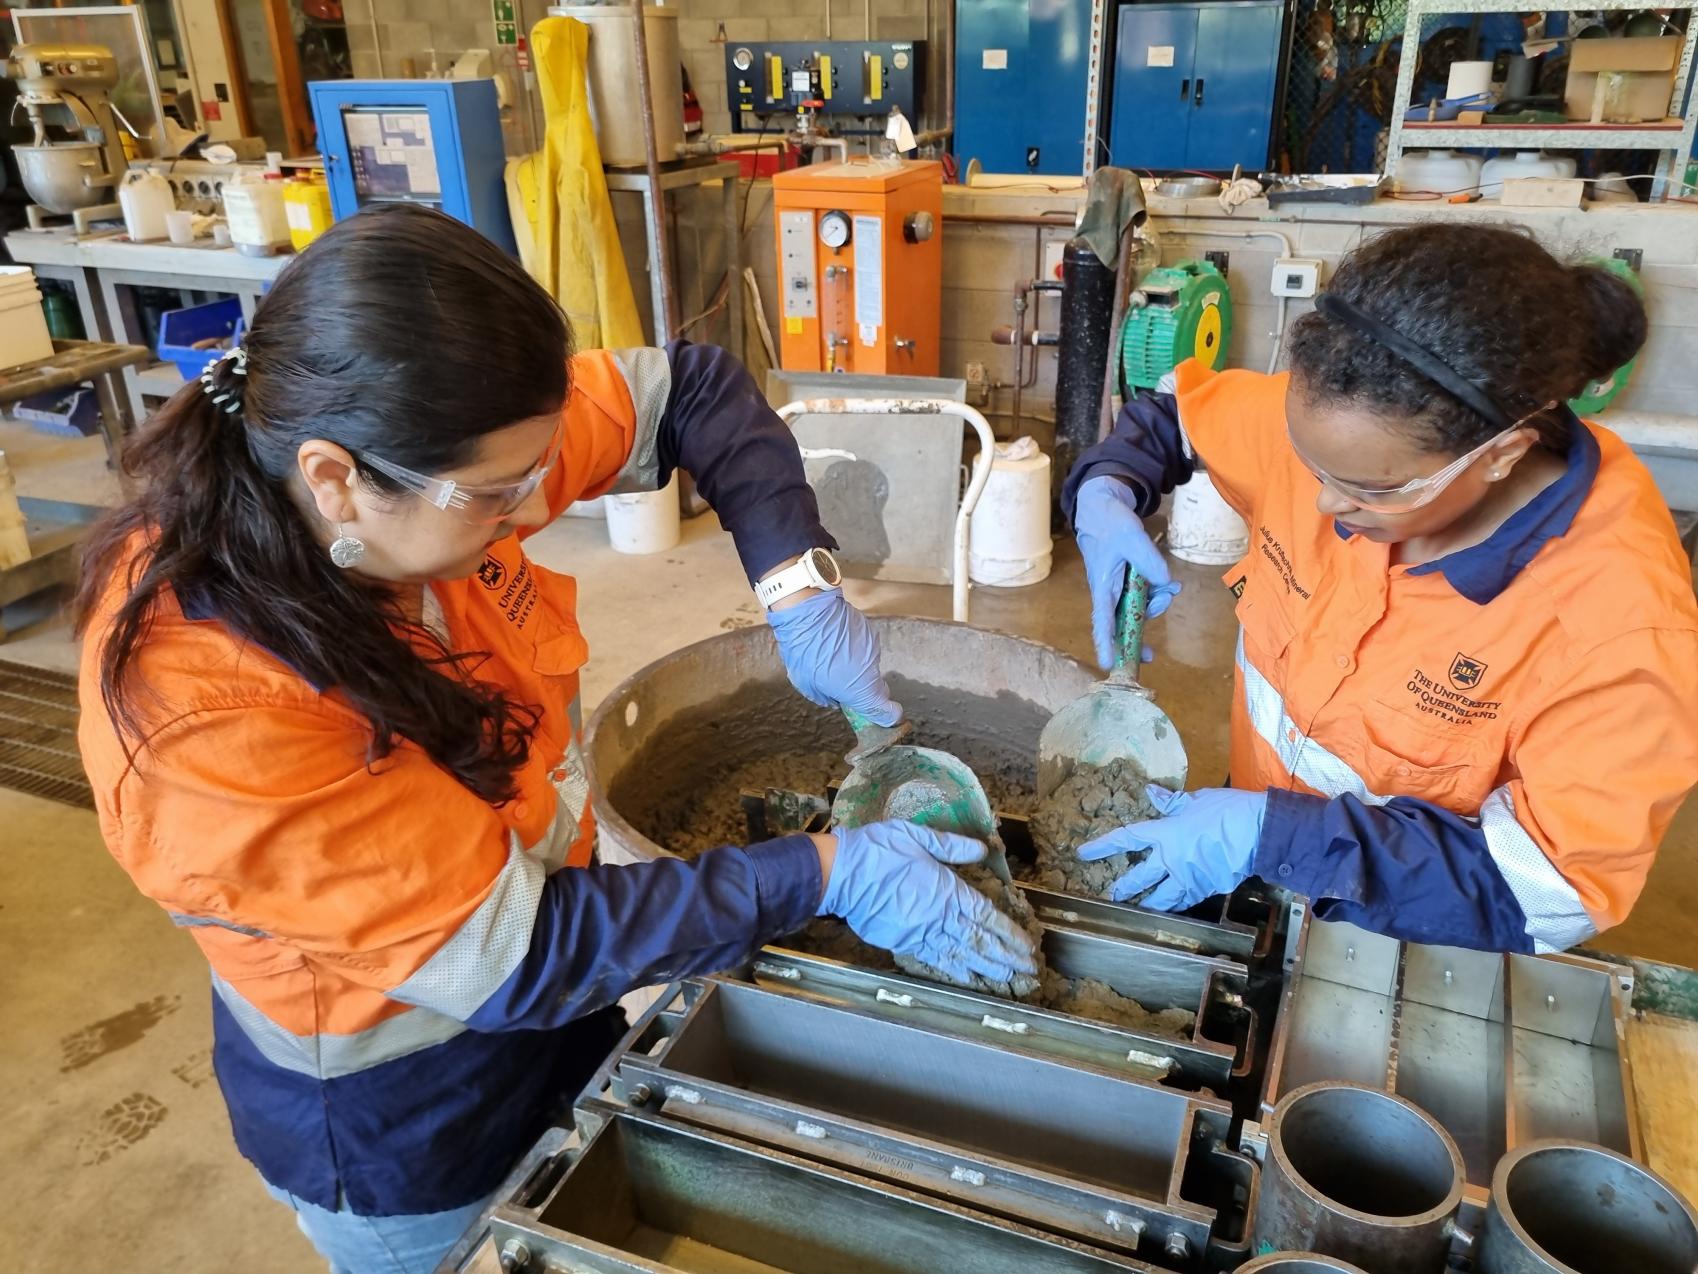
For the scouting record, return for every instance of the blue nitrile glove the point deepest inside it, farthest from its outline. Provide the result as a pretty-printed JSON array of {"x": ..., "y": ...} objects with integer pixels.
[
  {"x": 1111, "y": 537},
  {"x": 831, "y": 653},
  {"x": 890, "y": 883},
  {"x": 1203, "y": 845}
]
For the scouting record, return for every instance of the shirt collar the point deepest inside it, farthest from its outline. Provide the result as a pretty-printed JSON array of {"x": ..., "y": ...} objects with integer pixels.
[
  {"x": 198, "y": 607},
  {"x": 1484, "y": 570}
]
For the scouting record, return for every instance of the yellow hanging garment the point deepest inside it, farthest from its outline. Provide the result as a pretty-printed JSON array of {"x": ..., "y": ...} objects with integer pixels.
[{"x": 562, "y": 216}]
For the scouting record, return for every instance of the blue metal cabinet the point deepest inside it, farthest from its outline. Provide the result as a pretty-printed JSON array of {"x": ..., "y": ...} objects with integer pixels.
[
  {"x": 1152, "y": 87},
  {"x": 1194, "y": 84},
  {"x": 1020, "y": 73},
  {"x": 433, "y": 142}
]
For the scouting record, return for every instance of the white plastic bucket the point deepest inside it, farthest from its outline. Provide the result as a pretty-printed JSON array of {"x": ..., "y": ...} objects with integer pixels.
[
  {"x": 645, "y": 522},
  {"x": 1010, "y": 544},
  {"x": 24, "y": 337},
  {"x": 1202, "y": 527}
]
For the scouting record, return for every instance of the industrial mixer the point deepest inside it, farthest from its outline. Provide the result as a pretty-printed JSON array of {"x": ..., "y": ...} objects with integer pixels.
[{"x": 76, "y": 159}]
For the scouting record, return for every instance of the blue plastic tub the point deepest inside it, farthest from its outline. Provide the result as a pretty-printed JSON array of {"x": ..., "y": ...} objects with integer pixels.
[{"x": 180, "y": 329}]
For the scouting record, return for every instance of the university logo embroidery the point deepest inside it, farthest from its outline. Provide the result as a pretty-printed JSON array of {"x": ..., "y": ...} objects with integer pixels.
[
  {"x": 1466, "y": 671},
  {"x": 492, "y": 573}
]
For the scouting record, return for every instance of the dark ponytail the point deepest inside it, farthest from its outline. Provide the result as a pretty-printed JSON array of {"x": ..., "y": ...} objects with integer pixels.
[
  {"x": 1487, "y": 300},
  {"x": 401, "y": 332}
]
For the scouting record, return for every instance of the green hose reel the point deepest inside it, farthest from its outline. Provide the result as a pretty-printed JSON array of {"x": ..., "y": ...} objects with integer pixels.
[
  {"x": 1186, "y": 313},
  {"x": 1602, "y": 392}
]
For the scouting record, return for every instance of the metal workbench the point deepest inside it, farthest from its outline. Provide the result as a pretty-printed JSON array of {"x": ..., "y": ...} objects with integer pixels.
[
  {"x": 56, "y": 528},
  {"x": 102, "y": 269},
  {"x": 679, "y": 176}
]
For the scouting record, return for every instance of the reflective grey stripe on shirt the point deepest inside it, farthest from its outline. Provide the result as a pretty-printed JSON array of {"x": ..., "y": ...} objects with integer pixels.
[{"x": 648, "y": 376}]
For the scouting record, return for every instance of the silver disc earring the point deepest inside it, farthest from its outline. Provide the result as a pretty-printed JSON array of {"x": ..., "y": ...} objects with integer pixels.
[{"x": 346, "y": 550}]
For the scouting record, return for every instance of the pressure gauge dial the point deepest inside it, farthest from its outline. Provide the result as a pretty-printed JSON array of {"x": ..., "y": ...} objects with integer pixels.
[
  {"x": 899, "y": 60},
  {"x": 742, "y": 59},
  {"x": 834, "y": 229}
]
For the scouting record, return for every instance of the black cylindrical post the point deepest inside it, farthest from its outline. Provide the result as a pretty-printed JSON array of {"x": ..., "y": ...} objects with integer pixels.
[{"x": 1087, "y": 306}]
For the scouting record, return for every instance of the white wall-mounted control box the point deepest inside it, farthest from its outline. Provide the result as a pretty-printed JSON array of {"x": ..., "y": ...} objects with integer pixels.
[{"x": 1296, "y": 276}]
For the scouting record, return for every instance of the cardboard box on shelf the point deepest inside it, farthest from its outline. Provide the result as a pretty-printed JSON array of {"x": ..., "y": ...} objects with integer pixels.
[{"x": 1621, "y": 81}]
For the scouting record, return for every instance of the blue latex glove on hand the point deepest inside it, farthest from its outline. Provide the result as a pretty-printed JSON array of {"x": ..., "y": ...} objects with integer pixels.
[
  {"x": 1111, "y": 537},
  {"x": 890, "y": 883},
  {"x": 831, "y": 654},
  {"x": 1203, "y": 845}
]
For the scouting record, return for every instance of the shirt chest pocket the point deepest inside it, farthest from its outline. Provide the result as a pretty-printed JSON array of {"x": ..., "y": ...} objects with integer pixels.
[{"x": 1453, "y": 767}]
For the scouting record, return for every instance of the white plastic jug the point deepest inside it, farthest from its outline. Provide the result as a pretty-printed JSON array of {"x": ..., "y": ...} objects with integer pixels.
[
  {"x": 1442, "y": 172},
  {"x": 145, "y": 198},
  {"x": 259, "y": 221}
]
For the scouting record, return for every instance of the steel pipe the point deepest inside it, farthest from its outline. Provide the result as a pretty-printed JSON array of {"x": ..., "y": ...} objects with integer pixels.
[
  {"x": 1298, "y": 1263},
  {"x": 1560, "y": 1207},
  {"x": 1362, "y": 1175},
  {"x": 660, "y": 248},
  {"x": 1063, "y": 220}
]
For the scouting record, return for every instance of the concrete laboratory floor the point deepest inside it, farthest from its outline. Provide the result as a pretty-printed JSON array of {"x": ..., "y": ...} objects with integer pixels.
[{"x": 115, "y": 1151}]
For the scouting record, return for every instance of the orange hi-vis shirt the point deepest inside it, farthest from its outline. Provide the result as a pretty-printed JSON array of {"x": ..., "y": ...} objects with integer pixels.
[
  {"x": 378, "y": 932},
  {"x": 1501, "y": 736}
]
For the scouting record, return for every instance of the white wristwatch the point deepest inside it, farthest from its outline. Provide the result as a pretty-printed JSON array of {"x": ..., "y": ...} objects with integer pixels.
[{"x": 816, "y": 569}]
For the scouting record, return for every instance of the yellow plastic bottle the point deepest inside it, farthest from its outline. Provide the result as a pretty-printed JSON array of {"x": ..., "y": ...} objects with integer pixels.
[{"x": 307, "y": 201}]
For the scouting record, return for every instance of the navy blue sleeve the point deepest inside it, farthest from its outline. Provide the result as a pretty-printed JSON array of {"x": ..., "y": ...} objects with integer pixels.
[
  {"x": 604, "y": 930},
  {"x": 745, "y": 461},
  {"x": 1146, "y": 447},
  {"x": 1408, "y": 868}
]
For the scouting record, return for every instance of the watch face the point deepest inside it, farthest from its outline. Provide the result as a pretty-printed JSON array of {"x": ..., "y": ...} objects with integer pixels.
[{"x": 826, "y": 565}]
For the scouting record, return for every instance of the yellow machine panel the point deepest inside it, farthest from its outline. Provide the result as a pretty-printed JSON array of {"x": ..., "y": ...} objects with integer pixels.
[{"x": 860, "y": 266}]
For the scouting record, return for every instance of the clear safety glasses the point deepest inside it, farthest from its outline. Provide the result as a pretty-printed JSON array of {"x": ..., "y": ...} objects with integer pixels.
[
  {"x": 479, "y": 505},
  {"x": 1417, "y": 492}
]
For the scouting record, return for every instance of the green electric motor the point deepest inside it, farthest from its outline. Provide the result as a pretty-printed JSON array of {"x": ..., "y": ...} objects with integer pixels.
[
  {"x": 1186, "y": 313},
  {"x": 1602, "y": 392}
]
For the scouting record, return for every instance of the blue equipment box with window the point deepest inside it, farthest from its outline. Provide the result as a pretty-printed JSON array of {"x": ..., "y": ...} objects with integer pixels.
[{"x": 431, "y": 142}]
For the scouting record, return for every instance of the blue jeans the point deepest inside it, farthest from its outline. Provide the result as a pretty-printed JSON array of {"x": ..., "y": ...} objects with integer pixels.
[{"x": 379, "y": 1244}]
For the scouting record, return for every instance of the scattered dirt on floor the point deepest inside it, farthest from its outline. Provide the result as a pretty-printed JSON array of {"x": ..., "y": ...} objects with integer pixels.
[
  {"x": 1092, "y": 801},
  {"x": 110, "y": 1034},
  {"x": 120, "y": 1126}
]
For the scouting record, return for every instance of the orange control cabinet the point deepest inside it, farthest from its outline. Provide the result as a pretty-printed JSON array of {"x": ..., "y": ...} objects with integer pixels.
[{"x": 860, "y": 266}]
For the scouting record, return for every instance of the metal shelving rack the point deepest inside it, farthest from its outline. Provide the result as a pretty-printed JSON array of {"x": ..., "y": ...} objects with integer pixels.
[{"x": 1673, "y": 139}]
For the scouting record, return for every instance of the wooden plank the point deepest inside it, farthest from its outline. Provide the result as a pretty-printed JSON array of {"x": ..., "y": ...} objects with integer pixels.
[
  {"x": 1542, "y": 192},
  {"x": 1663, "y": 1054}
]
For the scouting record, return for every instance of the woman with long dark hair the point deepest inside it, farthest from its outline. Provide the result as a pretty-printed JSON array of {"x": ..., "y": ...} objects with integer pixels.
[
  {"x": 330, "y": 717},
  {"x": 1466, "y": 704}
]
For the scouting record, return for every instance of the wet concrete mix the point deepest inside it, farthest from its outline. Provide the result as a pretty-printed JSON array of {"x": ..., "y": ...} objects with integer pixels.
[
  {"x": 688, "y": 798},
  {"x": 1090, "y": 802}
]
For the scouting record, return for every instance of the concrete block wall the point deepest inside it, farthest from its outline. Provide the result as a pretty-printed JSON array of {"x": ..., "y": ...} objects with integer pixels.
[
  {"x": 419, "y": 29},
  {"x": 982, "y": 263}
]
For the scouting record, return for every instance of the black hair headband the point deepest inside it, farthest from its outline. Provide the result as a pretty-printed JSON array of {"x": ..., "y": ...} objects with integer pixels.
[{"x": 1422, "y": 360}]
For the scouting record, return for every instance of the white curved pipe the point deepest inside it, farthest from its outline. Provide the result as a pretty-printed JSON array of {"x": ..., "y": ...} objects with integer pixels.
[{"x": 923, "y": 407}]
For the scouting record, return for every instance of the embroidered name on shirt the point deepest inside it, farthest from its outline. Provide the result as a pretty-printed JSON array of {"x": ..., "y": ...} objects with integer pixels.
[
  {"x": 519, "y": 598},
  {"x": 1275, "y": 553},
  {"x": 1448, "y": 705}
]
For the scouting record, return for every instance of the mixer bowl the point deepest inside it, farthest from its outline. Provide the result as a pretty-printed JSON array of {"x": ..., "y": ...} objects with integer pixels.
[
  {"x": 56, "y": 175},
  {"x": 677, "y": 728}
]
